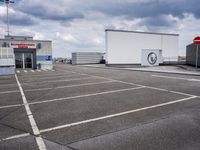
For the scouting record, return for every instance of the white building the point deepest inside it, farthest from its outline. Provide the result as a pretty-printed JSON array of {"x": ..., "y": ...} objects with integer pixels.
[
  {"x": 144, "y": 48},
  {"x": 87, "y": 57},
  {"x": 22, "y": 52}
]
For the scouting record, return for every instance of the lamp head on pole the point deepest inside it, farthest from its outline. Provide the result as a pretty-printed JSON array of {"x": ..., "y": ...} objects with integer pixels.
[{"x": 7, "y": 1}]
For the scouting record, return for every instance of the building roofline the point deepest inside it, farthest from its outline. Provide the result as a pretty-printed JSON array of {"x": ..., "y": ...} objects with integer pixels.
[
  {"x": 25, "y": 40},
  {"x": 20, "y": 36},
  {"x": 141, "y": 32}
]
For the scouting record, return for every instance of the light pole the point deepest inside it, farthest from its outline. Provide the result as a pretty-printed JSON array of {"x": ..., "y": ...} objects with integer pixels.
[{"x": 7, "y": 2}]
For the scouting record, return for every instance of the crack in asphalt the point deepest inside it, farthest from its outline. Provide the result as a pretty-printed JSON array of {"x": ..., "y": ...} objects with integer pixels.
[
  {"x": 3, "y": 124},
  {"x": 58, "y": 143},
  {"x": 8, "y": 114}
]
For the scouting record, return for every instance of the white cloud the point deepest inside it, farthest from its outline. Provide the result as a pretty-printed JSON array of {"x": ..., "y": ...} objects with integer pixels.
[
  {"x": 69, "y": 38},
  {"x": 39, "y": 36},
  {"x": 57, "y": 34},
  {"x": 80, "y": 25},
  {"x": 188, "y": 28},
  {"x": 2, "y": 11},
  {"x": 98, "y": 41}
]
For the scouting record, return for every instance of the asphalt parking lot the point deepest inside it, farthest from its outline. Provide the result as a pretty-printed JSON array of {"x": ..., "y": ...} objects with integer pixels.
[{"x": 84, "y": 108}]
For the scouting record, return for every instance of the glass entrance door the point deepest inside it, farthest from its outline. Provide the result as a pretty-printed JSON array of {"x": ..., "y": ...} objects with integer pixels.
[
  {"x": 24, "y": 60},
  {"x": 28, "y": 60},
  {"x": 19, "y": 60}
]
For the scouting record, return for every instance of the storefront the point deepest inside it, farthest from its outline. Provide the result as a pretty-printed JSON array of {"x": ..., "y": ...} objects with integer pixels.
[{"x": 29, "y": 53}]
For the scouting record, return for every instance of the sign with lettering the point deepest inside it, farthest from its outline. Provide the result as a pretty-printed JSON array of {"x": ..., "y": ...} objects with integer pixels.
[{"x": 23, "y": 45}]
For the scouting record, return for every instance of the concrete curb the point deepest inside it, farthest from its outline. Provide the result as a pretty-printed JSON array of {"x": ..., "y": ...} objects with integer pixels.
[
  {"x": 156, "y": 71},
  {"x": 168, "y": 72}
]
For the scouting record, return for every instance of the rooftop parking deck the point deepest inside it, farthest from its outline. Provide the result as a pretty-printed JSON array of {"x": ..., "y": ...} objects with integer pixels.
[{"x": 87, "y": 108}]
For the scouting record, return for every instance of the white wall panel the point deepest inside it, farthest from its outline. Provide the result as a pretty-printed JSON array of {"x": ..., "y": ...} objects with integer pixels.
[
  {"x": 170, "y": 48},
  {"x": 126, "y": 47}
]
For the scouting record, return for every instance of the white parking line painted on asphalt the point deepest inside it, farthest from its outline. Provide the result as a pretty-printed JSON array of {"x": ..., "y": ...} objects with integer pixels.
[
  {"x": 7, "y": 92},
  {"x": 50, "y": 74},
  {"x": 46, "y": 101},
  {"x": 178, "y": 78},
  {"x": 34, "y": 81},
  {"x": 86, "y": 95},
  {"x": 15, "y": 137},
  {"x": 155, "y": 88},
  {"x": 32, "y": 121},
  {"x": 9, "y": 85},
  {"x": 52, "y": 81},
  {"x": 117, "y": 114},
  {"x": 130, "y": 83},
  {"x": 181, "y": 93},
  {"x": 194, "y": 80},
  {"x": 158, "y": 89},
  {"x": 72, "y": 97},
  {"x": 68, "y": 86},
  {"x": 75, "y": 79},
  {"x": 101, "y": 118},
  {"x": 10, "y": 106},
  {"x": 52, "y": 77}
]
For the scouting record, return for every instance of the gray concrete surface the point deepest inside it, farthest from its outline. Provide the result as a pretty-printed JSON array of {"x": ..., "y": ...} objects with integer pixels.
[
  {"x": 169, "y": 69},
  {"x": 86, "y": 108}
]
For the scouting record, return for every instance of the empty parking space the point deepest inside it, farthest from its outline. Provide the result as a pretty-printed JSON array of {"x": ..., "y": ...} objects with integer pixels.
[
  {"x": 23, "y": 143},
  {"x": 4, "y": 80},
  {"x": 166, "y": 133},
  {"x": 9, "y": 91},
  {"x": 53, "y": 77},
  {"x": 188, "y": 84},
  {"x": 109, "y": 126},
  {"x": 94, "y": 108},
  {"x": 15, "y": 119},
  {"x": 89, "y": 107},
  {"x": 8, "y": 84},
  {"x": 9, "y": 88},
  {"x": 146, "y": 78},
  {"x": 63, "y": 83},
  {"x": 10, "y": 98},
  {"x": 33, "y": 96}
]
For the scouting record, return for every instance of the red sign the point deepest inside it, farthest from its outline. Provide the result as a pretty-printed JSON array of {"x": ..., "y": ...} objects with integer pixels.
[
  {"x": 18, "y": 45},
  {"x": 196, "y": 40}
]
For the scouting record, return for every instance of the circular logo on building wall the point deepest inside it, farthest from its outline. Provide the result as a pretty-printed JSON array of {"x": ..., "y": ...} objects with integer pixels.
[{"x": 152, "y": 58}]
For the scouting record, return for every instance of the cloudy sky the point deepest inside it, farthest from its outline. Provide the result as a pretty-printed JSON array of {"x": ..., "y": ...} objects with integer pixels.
[{"x": 79, "y": 25}]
